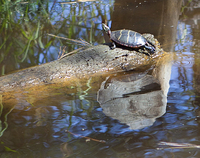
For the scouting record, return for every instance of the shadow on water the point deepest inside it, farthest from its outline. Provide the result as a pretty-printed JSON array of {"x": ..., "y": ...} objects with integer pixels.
[{"x": 124, "y": 115}]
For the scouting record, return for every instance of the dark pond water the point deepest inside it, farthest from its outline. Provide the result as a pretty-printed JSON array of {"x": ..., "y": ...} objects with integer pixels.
[{"x": 124, "y": 115}]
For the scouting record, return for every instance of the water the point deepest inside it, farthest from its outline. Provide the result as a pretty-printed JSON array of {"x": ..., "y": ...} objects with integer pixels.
[{"x": 105, "y": 117}]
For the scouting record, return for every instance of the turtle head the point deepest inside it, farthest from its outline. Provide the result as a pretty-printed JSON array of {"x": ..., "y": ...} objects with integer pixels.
[{"x": 106, "y": 29}]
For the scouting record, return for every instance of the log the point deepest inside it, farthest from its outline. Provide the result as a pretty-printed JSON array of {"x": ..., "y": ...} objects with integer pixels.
[{"x": 95, "y": 60}]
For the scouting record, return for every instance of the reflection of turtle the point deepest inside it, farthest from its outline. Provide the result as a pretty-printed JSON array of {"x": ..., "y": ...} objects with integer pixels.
[{"x": 128, "y": 38}]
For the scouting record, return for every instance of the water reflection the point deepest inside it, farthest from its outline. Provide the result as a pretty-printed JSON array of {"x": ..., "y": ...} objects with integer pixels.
[
  {"x": 136, "y": 99},
  {"x": 135, "y": 103}
]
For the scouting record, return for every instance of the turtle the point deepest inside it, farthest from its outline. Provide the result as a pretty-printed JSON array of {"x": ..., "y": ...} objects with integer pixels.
[{"x": 128, "y": 38}]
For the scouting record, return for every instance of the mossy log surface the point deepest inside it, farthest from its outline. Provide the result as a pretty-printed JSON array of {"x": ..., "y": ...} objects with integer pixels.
[{"x": 95, "y": 60}]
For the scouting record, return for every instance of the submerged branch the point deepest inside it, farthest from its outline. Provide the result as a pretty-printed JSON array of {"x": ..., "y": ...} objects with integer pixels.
[
  {"x": 177, "y": 145},
  {"x": 87, "y": 138}
]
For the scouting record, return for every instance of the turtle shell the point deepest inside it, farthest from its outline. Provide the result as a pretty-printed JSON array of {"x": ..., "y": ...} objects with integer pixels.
[{"x": 128, "y": 38}]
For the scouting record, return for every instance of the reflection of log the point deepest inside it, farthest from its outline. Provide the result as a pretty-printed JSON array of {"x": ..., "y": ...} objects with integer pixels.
[
  {"x": 137, "y": 103},
  {"x": 94, "y": 60},
  {"x": 137, "y": 98}
]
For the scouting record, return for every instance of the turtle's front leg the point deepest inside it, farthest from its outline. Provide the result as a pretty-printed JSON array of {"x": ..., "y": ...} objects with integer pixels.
[
  {"x": 113, "y": 46},
  {"x": 150, "y": 47}
]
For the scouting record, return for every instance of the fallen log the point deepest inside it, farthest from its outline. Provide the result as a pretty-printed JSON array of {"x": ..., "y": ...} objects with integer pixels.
[{"x": 95, "y": 60}]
